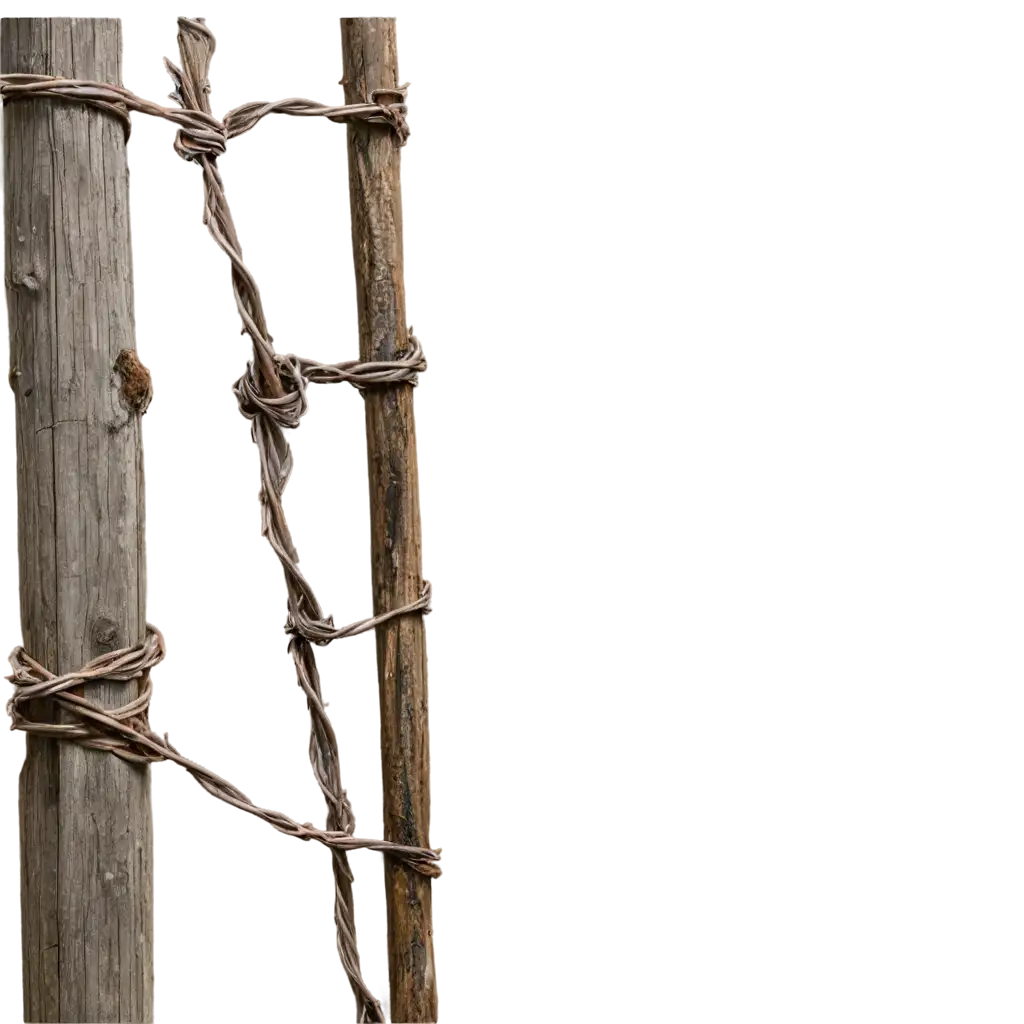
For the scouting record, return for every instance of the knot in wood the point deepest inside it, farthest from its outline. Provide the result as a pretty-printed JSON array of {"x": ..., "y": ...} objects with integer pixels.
[
  {"x": 136, "y": 381},
  {"x": 105, "y": 634}
]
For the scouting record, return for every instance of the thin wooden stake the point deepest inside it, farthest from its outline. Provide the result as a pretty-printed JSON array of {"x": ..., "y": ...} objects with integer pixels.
[
  {"x": 370, "y": 59},
  {"x": 86, "y": 823}
]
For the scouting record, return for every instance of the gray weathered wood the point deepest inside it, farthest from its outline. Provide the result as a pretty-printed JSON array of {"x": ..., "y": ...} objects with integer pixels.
[
  {"x": 86, "y": 824},
  {"x": 370, "y": 59}
]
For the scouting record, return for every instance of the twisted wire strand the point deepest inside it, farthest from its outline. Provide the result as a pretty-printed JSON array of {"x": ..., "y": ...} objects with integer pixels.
[
  {"x": 125, "y": 733},
  {"x": 122, "y": 102},
  {"x": 272, "y": 395}
]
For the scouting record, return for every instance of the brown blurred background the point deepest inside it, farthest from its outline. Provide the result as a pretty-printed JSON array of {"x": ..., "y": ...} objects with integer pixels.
[{"x": 723, "y": 431}]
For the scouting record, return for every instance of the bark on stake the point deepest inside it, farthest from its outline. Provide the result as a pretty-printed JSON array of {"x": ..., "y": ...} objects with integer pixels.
[{"x": 371, "y": 62}]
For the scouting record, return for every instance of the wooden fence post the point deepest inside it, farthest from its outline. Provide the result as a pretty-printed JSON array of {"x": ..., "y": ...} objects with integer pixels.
[
  {"x": 86, "y": 823},
  {"x": 370, "y": 61}
]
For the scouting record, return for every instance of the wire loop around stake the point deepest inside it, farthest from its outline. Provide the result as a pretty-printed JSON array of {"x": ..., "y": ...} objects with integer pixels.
[
  {"x": 125, "y": 733},
  {"x": 200, "y": 132},
  {"x": 272, "y": 394}
]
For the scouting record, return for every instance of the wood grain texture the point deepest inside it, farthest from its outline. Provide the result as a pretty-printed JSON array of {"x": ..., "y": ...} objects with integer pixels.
[
  {"x": 370, "y": 59},
  {"x": 86, "y": 824}
]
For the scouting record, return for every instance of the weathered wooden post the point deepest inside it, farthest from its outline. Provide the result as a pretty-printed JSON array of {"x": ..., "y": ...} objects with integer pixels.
[
  {"x": 86, "y": 823},
  {"x": 370, "y": 59}
]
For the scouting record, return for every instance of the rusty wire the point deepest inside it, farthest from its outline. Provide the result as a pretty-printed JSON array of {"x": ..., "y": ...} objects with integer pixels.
[{"x": 272, "y": 394}]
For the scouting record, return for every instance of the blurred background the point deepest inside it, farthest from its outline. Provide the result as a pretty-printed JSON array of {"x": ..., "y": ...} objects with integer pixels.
[{"x": 719, "y": 452}]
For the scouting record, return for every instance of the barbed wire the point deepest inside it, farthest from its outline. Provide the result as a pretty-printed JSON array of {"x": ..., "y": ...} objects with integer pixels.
[{"x": 272, "y": 394}]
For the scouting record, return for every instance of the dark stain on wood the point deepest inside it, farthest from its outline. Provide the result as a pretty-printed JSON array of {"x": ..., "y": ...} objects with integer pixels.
[{"x": 106, "y": 636}]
